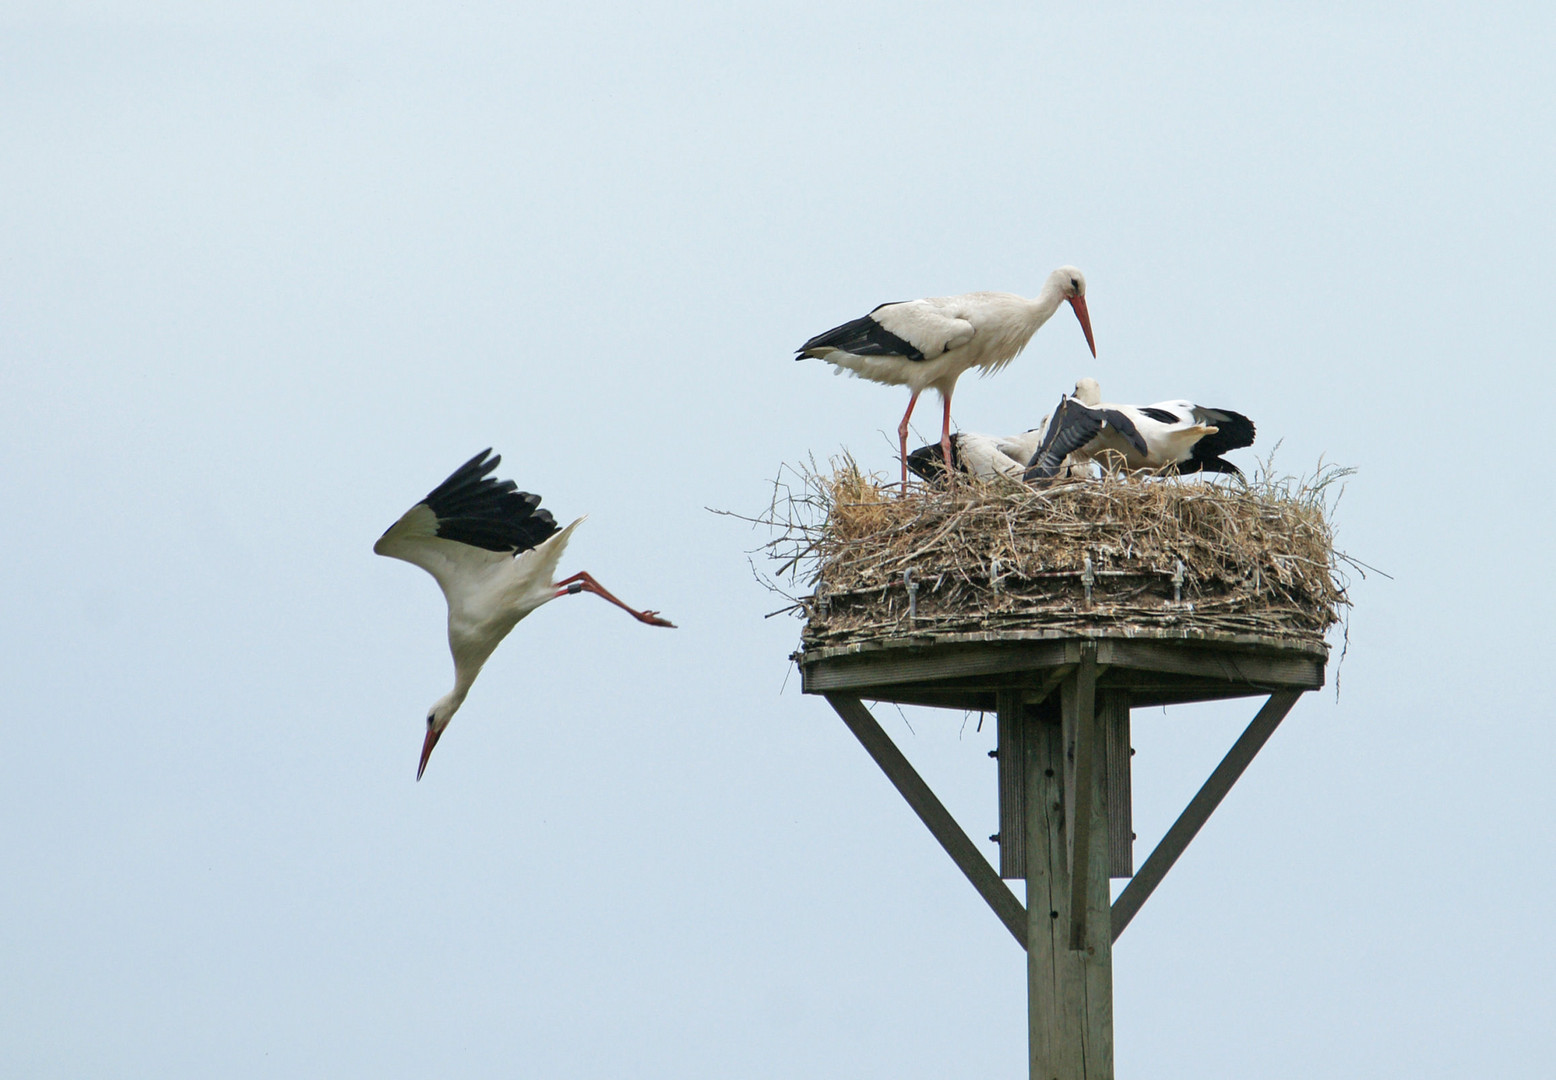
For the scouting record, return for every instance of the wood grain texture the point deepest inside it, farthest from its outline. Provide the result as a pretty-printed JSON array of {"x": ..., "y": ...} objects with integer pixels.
[
  {"x": 1080, "y": 721},
  {"x": 929, "y": 665},
  {"x": 1227, "y": 665},
  {"x": 963, "y": 674},
  {"x": 1113, "y": 720},
  {"x": 1011, "y": 720},
  {"x": 1069, "y": 991}
]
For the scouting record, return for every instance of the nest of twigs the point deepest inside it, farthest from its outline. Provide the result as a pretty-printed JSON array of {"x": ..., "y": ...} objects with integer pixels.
[{"x": 1123, "y": 554}]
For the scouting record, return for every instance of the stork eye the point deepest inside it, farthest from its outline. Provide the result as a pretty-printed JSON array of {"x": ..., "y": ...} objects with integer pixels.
[
  {"x": 1074, "y": 284},
  {"x": 429, "y": 719}
]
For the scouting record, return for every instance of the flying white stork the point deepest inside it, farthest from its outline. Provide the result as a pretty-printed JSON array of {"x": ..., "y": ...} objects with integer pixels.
[
  {"x": 495, "y": 553},
  {"x": 929, "y": 343},
  {"x": 1178, "y": 434}
]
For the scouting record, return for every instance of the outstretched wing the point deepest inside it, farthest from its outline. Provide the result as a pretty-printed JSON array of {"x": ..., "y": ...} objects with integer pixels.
[
  {"x": 1120, "y": 422},
  {"x": 1072, "y": 427},
  {"x": 467, "y": 523}
]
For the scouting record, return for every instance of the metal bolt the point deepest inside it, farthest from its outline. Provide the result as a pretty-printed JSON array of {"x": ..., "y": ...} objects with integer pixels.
[
  {"x": 1177, "y": 583},
  {"x": 1088, "y": 579},
  {"x": 1048, "y": 772},
  {"x": 995, "y": 752},
  {"x": 912, "y": 586},
  {"x": 994, "y": 838},
  {"x": 1053, "y": 914}
]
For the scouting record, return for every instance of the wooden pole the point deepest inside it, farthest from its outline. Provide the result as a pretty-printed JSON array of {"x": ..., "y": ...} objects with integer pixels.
[
  {"x": 1080, "y": 720},
  {"x": 1011, "y": 723},
  {"x": 1069, "y": 989},
  {"x": 1113, "y": 720}
]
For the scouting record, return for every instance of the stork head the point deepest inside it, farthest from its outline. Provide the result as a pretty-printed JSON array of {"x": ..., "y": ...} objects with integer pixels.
[
  {"x": 1072, "y": 287},
  {"x": 1087, "y": 392},
  {"x": 438, "y": 717}
]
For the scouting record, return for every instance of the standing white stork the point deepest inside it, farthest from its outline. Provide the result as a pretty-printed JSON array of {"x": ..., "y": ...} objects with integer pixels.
[
  {"x": 929, "y": 343},
  {"x": 495, "y": 555},
  {"x": 1177, "y": 434}
]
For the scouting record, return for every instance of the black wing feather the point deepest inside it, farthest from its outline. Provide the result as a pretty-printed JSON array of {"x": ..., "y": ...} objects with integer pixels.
[
  {"x": 1072, "y": 427},
  {"x": 1126, "y": 427},
  {"x": 1233, "y": 433},
  {"x": 473, "y": 508},
  {"x": 1208, "y": 464},
  {"x": 862, "y": 337}
]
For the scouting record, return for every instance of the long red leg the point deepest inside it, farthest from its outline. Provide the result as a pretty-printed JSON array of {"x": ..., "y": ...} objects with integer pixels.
[
  {"x": 583, "y": 582},
  {"x": 902, "y": 438},
  {"x": 945, "y": 436}
]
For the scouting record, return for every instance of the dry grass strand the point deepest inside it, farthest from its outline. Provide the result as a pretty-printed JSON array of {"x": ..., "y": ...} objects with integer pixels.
[{"x": 1124, "y": 553}]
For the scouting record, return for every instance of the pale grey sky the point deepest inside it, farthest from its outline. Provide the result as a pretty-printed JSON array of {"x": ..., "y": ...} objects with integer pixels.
[{"x": 270, "y": 271}]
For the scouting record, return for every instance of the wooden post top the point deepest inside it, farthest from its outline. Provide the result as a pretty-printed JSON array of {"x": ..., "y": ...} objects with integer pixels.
[{"x": 1156, "y": 667}]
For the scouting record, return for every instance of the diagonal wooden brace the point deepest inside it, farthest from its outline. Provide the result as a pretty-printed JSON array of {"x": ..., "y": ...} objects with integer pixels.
[
  {"x": 1204, "y": 803},
  {"x": 933, "y": 814}
]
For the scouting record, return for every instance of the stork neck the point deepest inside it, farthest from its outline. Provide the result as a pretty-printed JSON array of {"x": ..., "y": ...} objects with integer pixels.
[
  {"x": 462, "y": 680},
  {"x": 1047, "y": 301}
]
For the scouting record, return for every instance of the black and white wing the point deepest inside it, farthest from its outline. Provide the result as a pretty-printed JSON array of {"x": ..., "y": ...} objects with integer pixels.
[
  {"x": 912, "y": 329},
  {"x": 1072, "y": 428},
  {"x": 466, "y": 523},
  {"x": 1233, "y": 432}
]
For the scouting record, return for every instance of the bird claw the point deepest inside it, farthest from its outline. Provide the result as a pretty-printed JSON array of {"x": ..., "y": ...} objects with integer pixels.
[{"x": 653, "y": 619}]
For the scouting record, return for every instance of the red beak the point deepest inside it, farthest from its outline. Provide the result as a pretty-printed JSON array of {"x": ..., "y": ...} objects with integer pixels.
[
  {"x": 426, "y": 749},
  {"x": 1079, "y": 304}
]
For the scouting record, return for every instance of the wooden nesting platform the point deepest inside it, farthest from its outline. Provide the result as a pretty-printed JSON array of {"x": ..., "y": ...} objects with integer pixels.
[
  {"x": 1060, "y": 610},
  {"x": 1152, "y": 666},
  {"x": 1063, "y": 702}
]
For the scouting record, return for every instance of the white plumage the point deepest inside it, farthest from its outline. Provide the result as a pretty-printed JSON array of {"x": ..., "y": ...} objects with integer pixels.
[
  {"x": 985, "y": 457},
  {"x": 929, "y": 343},
  {"x": 1177, "y": 434},
  {"x": 494, "y": 552}
]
